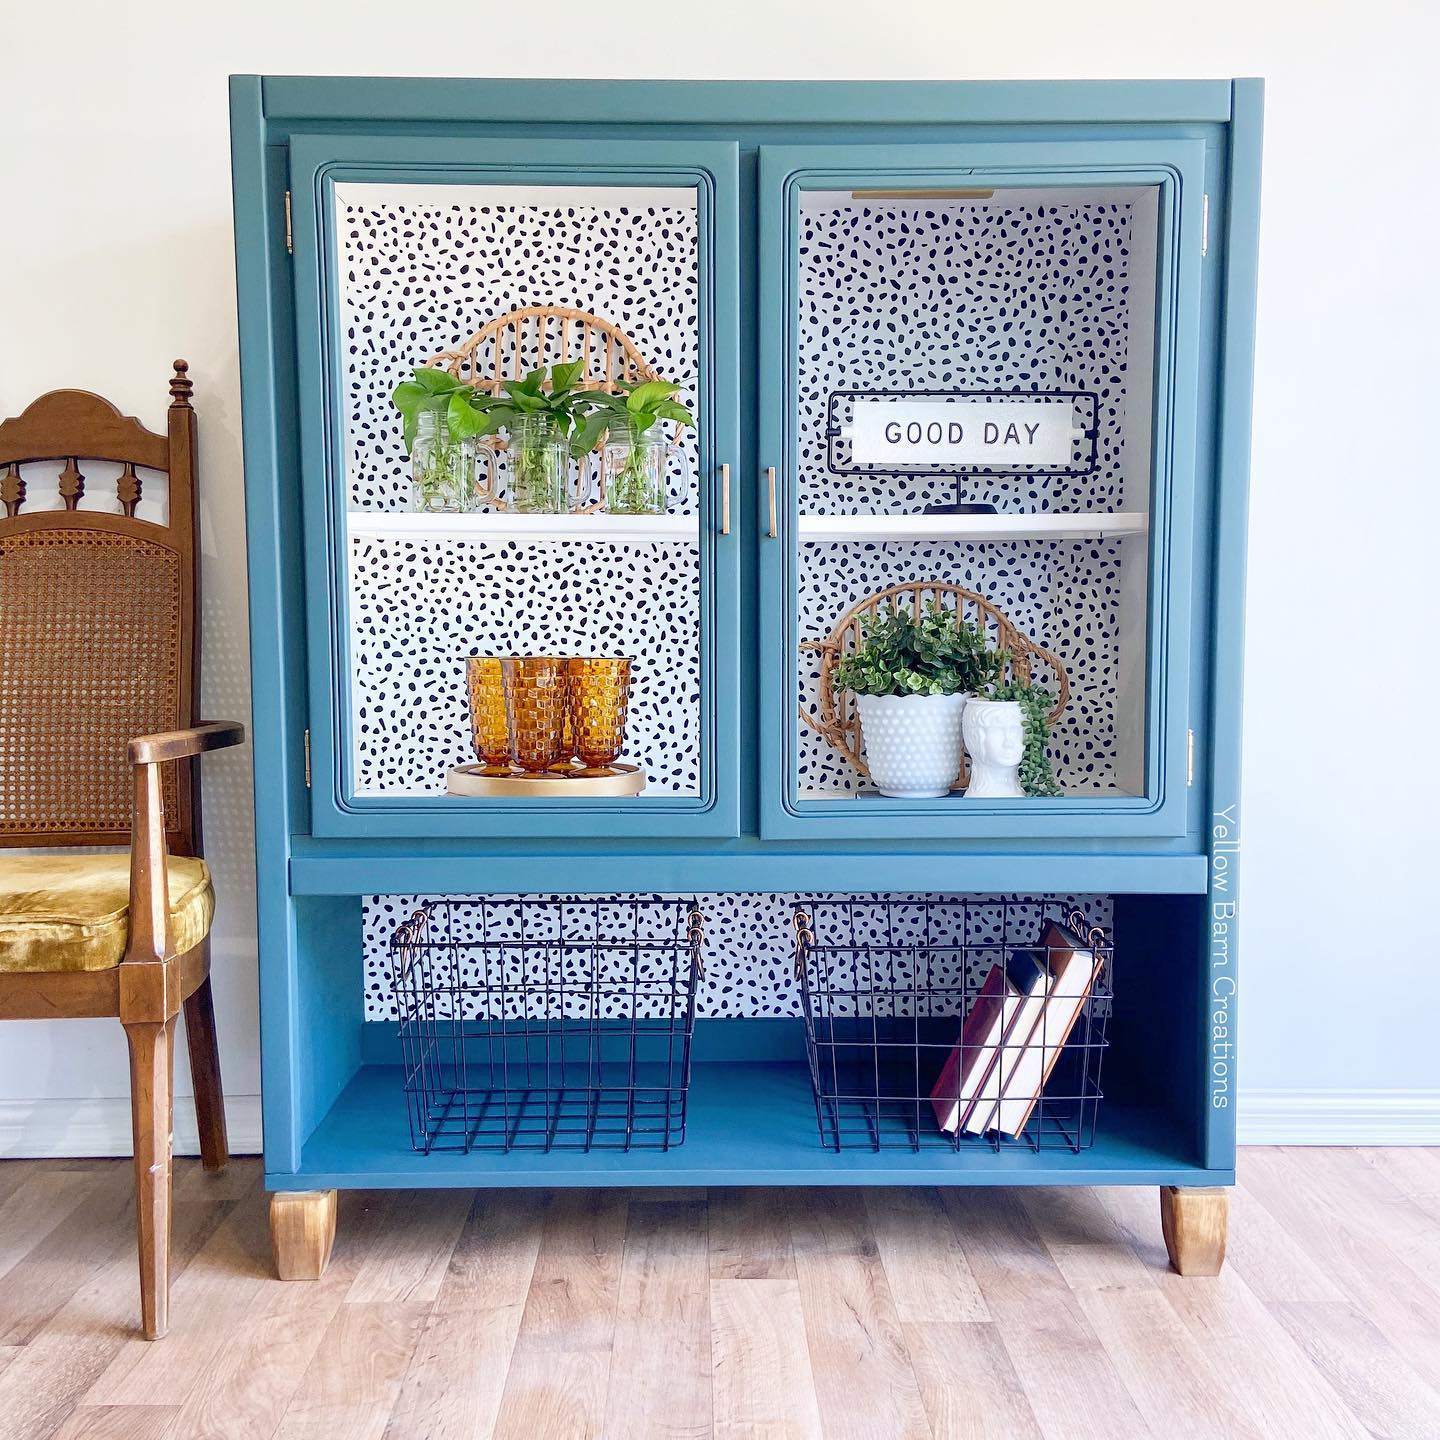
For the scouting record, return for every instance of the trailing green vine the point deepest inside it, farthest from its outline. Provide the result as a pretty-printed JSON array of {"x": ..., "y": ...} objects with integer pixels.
[{"x": 1036, "y": 776}]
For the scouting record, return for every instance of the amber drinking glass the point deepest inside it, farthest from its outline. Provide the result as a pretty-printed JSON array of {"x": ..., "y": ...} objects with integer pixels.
[
  {"x": 599, "y": 698},
  {"x": 538, "y": 691},
  {"x": 489, "y": 724}
]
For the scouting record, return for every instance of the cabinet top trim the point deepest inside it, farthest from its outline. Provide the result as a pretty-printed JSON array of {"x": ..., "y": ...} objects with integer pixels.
[{"x": 294, "y": 99}]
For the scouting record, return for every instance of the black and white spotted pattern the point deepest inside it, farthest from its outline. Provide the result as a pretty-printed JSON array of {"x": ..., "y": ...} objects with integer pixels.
[
  {"x": 421, "y": 276},
  {"x": 419, "y": 607},
  {"x": 949, "y": 297},
  {"x": 749, "y": 944},
  {"x": 921, "y": 296}
]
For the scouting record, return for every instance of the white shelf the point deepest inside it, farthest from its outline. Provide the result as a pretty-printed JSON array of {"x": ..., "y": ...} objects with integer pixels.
[
  {"x": 595, "y": 529},
  {"x": 839, "y": 529}
]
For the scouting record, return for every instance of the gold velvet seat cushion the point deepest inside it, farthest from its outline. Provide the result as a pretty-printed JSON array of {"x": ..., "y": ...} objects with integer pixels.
[{"x": 72, "y": 912}]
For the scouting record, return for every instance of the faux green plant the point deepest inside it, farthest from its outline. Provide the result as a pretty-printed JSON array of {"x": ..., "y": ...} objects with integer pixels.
[
  {"x": 1036, "y": 776},
  {"x": 629, "y": 416},
  {"x": 936, "y": 653}
]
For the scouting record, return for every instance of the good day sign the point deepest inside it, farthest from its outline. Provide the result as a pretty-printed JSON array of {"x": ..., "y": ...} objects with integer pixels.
[{"x": 952, "y": 431}]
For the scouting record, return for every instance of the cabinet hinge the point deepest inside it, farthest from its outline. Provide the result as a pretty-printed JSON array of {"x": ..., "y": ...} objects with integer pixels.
[
  {"x": 1189, "y": 758},
  {"x": 1204, "y": 224},
  {"x": 307, "y": 759},
  {"x": 289, "y": 227}
]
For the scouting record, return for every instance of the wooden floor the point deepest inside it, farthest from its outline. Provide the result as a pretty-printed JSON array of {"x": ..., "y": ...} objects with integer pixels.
[{"x": 741, "y": 1313}]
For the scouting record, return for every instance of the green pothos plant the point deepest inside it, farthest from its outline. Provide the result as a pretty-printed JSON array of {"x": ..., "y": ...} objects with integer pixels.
[
  {"x": 1036, "y": 776},
  {"x": 629, "y": 417},
  {"x": 443, "y": 471},
  {"x": 934, "y": 653}
]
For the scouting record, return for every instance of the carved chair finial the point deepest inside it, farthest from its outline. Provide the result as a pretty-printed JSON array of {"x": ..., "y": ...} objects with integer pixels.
[{"x": 181, "y": 387}]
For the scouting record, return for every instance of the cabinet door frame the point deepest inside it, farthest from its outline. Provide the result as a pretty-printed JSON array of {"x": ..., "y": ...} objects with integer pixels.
[
  {"x": 317, "y": 163},
  {"x": 1177, "y": 167}
]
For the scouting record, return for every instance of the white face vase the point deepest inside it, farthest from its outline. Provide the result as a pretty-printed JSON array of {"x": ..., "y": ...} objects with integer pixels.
[{"x": 995, "y": 739}]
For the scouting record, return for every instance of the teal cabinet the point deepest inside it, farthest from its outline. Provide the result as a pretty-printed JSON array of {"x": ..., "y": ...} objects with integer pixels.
[{"x": 798, "y": 257}]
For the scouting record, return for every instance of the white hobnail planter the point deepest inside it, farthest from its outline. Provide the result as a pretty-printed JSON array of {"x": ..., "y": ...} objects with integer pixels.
[
  {"x": 995, "y": 741},
  {"x": 912, "y": 743}
]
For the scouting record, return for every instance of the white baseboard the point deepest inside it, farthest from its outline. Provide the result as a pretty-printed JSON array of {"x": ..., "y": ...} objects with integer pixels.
[
  {"x": 1339, "y": 1117},
  {"x": 99, "y": 1127}
]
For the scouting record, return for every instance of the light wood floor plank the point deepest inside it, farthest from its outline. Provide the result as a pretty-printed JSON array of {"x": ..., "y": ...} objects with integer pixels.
[
  {"x": 968, "y": 1382},
  {"x": 117, "y": 1422},
  {"x": 576, "y": 1282},
  {"x": 456, "y": 1377},
  {"x": 863, "y": 1378},
  {"x": 749, "y": 1234},
  {"x": 207, "y": 1303},
  {"x": 1266, "y": 1373},
  {"x": 352, "y": 1383},
  {"x": 1372, "y": 1378},
  {"x": 1068, "y": 1378},
  {"x": 659, "y": 1381},
  {"x": 929, "y": 1276},
  {"x": 244, "y": 1394},
  {"x": 1413, "y": 1169},
  {"x": 763, "y": 1384},
  {"x": 34, "y": 1208},
  {"x": 1366, "y": 1270},
  {"x": 561, "y": 1361},
  {"x": 44, "y": 1383},
  {"x": 410, "y": 1258},
  {"x": 100, "y": 1230},
  {"x": 557, "y": 1394},
  {"x": 1163, "y": 1366}
]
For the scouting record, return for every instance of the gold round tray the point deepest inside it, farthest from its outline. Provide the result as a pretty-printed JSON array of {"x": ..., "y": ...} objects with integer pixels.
[{"x": 547, "y": 785}]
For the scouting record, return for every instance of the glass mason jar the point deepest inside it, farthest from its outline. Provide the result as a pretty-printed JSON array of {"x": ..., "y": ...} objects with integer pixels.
[
  {"x": 634, "y": 473},
  {"x": 539, "y": 467},
  {"x": 442, "y": 468}
]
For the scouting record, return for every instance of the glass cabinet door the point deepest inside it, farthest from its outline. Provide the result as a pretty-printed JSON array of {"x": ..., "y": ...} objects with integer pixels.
[
  {"x": 978, "y": 373},
  {"x": 489, "y": 259}
]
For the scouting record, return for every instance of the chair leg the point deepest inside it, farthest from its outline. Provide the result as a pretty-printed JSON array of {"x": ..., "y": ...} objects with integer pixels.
[
  {"x": 205, "y": 1074},
  {"x": 152, "y": 1095}
]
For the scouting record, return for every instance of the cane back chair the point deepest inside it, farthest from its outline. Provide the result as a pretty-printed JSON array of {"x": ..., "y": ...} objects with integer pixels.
[{"x": 98, "y": 639}]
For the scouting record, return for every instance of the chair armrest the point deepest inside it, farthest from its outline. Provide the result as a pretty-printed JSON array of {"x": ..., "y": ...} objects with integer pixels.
[
  {"x": 149, "y": 941},
  {"x": 176, "y": 744}
]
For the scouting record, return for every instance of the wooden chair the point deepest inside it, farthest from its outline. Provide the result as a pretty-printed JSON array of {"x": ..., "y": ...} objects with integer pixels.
[{"x": 98, "y": 640}]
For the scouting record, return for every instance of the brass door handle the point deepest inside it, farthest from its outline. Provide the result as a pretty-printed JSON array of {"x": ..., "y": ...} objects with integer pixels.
[
  {"x": 770, "y": 476},
  {"x": 724, "y": 499}
]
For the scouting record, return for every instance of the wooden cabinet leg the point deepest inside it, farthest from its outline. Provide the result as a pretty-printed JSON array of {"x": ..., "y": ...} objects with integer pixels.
[
  {"x": 205, "y": 1073},
  {"x": 302, "y": 1230},
  {"x": 1195, "y": 1220},
  {"x": 152, "y": 1092}
]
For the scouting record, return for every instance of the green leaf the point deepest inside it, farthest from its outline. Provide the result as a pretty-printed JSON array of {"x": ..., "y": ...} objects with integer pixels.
[
  {"x": 435, "y": 382},
  {"x": 563, "y": 377},
  {"x": 408, "y": 396},
  {"x": 673, "y": 410},
  {"x": 465, "y": 420},
  {"x": 649, "y": 395},
  {"x": 589, "y": 433}
]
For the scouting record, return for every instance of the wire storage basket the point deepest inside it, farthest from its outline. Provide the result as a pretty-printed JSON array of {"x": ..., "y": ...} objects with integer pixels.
[
  {"x": 949, "y": 1022},
  {"x": 547, "y": 1024}
]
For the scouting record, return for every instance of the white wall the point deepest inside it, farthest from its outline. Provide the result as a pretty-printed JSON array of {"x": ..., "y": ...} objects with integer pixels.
[{"x": 114, "y": 149}]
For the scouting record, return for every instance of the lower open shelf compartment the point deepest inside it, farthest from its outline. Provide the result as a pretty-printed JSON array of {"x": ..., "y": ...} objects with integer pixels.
[
  {"x": 751, "y": 1122},
  {"x": 751, "y": 1116}
]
